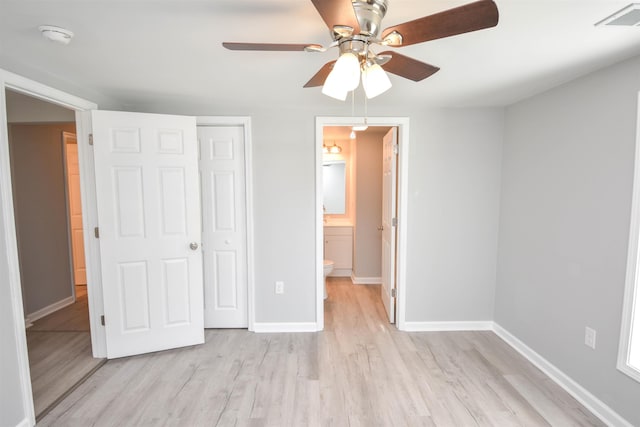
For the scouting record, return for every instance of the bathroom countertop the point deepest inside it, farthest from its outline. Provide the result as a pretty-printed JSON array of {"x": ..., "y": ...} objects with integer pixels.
[{"x": 338, "y": 223}]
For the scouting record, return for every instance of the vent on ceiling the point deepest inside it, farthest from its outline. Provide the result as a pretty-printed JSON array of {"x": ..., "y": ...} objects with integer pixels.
[{"x": 629, "y": 16}]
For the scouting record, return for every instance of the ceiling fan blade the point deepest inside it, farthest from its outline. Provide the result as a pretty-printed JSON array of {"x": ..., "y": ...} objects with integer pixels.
[
  {"x": 319, "y": 78},
  {"x": 464, "y": 19},
  {"x": 408, "y": 68},
  {"x": 278, "y": 47},
  {"x": 337, "y": 12}
]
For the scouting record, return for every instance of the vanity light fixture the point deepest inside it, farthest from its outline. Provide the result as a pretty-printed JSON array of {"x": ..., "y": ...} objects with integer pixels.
[{"x": 334, "y": 149}]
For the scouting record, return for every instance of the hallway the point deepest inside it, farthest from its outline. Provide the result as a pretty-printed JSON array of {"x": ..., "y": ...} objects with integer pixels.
[{"x": 60, "y": 352}]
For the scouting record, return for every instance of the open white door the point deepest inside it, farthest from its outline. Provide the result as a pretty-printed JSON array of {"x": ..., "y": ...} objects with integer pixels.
[
  {"x": 389, "y": 166},
  {"x": 147, "y": 192},
  {"x": 75, "y": 208},
  {"x": 224, "y": 238}
]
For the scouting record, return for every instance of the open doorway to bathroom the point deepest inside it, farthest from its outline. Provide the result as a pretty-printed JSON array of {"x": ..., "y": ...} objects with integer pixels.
[
  {"x": 48, "y": 219},
  {"x": 361, "y": 215}
]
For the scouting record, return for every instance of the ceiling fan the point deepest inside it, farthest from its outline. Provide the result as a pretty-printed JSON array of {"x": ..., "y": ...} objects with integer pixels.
[{"x": 355, "y": 27}]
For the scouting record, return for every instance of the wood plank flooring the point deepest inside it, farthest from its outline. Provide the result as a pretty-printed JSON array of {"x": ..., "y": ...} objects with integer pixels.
[
  {"x": 72, "y": 318},
  {"x": 60, "y": 353},
  {"x": 360, "y": 371}
]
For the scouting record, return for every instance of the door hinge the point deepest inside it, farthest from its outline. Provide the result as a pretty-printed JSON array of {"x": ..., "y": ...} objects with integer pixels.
[
  {"x": 90, "y": 139},
  {"x": 393, "y": 293},
  {"x": 102, "y": 320},
  {"x": 96, "y": 232},
  {"x": 394, "y": 222},
  {"x": 396, "y": 148}
]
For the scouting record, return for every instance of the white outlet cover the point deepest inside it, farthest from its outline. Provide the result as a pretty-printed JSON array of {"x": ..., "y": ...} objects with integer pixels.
[
  {"x": 279, "y": 287},
  {"x": 590, "y": 337}
]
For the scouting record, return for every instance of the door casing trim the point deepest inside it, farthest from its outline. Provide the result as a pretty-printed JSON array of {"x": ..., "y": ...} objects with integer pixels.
[
  {"x": 402, "y": 123},
  {"x": 37, "y": 90},
  {"x": 245, "y": 122}
]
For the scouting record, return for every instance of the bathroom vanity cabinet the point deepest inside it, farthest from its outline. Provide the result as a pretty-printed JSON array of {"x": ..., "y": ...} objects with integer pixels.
[{"x": 338, "y": 247}]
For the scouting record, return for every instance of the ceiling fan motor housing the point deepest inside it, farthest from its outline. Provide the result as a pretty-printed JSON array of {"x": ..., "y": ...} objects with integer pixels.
[
  {"x": 370, "y": 14},
  {"x": 355, "y": 44}
]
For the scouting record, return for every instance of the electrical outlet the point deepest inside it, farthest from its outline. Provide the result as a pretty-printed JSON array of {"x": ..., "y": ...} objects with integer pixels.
[
  {"x": 590, "y": 337},
  {"x": 279, "y": 287}
]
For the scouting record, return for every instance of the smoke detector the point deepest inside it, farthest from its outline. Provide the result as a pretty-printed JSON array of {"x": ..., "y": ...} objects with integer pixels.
[
  {"x": 56, "y": 34},
  {"x": 628, "y": 16}
]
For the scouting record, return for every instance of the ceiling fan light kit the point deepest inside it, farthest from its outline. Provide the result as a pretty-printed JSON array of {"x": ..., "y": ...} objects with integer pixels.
[
  {"x": 375, "y": 81},
  {"x": 355, "y": 27}
]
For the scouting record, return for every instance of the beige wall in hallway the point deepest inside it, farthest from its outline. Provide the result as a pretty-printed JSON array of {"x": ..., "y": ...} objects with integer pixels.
[{"x": 37, "y": 169}]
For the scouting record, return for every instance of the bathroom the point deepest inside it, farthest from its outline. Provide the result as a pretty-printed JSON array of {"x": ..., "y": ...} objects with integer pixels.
[{"x": 352, "y": 195}]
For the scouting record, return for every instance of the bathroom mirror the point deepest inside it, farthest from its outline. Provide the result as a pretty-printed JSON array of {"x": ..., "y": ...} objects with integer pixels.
[{"x": 334, "y": 187}]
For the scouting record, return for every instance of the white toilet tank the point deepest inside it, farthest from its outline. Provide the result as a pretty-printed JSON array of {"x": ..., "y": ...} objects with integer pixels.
[{"x": 328, "y": 267}]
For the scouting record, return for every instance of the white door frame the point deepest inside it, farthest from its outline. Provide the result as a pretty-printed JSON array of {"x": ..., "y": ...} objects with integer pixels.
[
  {"x": 37, "y": 90},
  {"x": 245, "y": 122},
  {"x": 402, "y": 123}
]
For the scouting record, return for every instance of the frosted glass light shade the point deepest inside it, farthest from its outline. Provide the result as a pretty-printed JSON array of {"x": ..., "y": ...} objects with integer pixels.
[
  {"x": 333, "y": 88},
  {"x": 344, "y": 77},
  {"x": 375, "y": 81}
]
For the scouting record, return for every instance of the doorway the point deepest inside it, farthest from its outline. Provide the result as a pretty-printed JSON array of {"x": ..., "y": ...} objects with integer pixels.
[
  {"x": 48, "y": 221},
  {"x": 396, "y": 268}
]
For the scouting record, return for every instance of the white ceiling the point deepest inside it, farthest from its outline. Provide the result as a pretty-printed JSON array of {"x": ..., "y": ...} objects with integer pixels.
[{"x": 149, "y": 54}]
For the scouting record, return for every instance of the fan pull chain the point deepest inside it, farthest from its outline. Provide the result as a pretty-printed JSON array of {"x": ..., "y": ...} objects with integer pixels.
[
  {"x": 365, "y": 107},
  {"x": 353, "y": 103}
]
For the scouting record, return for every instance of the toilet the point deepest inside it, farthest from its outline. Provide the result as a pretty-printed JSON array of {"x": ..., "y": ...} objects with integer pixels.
[{"x": 328, "y": 268}]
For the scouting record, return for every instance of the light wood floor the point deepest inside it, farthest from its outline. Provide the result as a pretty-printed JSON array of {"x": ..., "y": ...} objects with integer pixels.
[
  {"x": 360, "y": 371},
  {"x": 60, "y": 352}
]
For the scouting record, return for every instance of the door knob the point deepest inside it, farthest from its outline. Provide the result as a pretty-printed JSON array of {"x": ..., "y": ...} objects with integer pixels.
[
  {"x": 193, "y": 246},
  {"x": 380, "y": 228},
  {"x": 227, "y": 242}
]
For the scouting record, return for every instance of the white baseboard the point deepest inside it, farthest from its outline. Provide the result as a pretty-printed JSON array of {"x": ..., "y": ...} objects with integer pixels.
[
  {"x": 480, "y": 325},
  {"x": 263, "y": 327},
  {"x": 341, "y": 272},
  {"x": 24, "y": 423},
  {"x": 592, "y": 403},
  {"x": 366, "y": 280},
  {"x": 32, "y": 317}
]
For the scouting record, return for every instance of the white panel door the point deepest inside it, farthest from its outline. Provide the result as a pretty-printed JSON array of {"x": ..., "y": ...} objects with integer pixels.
[
  {"x": 149, "y": 217},
  {"x": 224, "y": 230},
  {"x": 389, "y": 166},
  {"x": 75, "y": 208}
]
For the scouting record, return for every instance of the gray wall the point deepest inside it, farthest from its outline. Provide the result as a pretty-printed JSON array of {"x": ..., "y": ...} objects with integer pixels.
[
  {"x": 11, "y": 403},
  {"x": 454, "y": 167},
  {"x": 37, "y": 168},
  {"x": 564, "y": 229},
  {"x": 367, "y": 253},
  {"x": 454, "y": 204}
]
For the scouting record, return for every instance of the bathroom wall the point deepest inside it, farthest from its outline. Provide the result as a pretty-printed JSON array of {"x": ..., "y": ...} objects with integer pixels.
[{"x": 367, "y": 254}]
